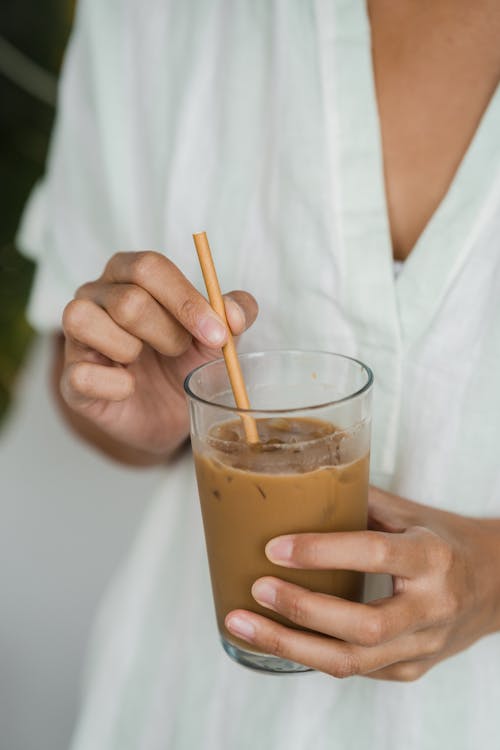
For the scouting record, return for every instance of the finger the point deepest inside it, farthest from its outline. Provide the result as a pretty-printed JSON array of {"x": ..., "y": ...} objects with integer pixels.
[
  {"x": 328, "y": 655},
  {"x": 167, "y": 284},
  {"x": 404, "y": 671},
  {"x": 136, "y": 311},
  {"x": 363, "y": 624},
  {"x": 393, "y": 513},
  {"x": 432, "y": 646},
  {"x": 88, "y": 325},
  {"x": 241, "y": 311},
  {"x": 364, "y": 551},
  {"x": 85, "y": 382}
]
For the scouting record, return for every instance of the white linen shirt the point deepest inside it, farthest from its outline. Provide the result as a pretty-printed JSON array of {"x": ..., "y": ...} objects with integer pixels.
[{"x": 257, "y": 121}]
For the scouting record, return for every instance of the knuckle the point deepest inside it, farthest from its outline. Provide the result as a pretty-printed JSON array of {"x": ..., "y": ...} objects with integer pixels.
[
  {"x": 75, "y": 316},
  {"x": 449, "y": 606},
  {"x": 179, "y": 343},
  {"x": 372, "y": 630},
  {"x": 382, "y": 552},
  {"x": 433, "y": 644},
  {"x": 134, "y": 349},
  {"x": 408, "y": 672},
  {"x": 85, "y": 290},
  {"x": 145, "y": 266},
  {"x": 78, "y": 377},
  {"x": 297, "y": 610},
  {"x": 276, "y": 645},
  {"x": 175, "y": 341},
  {"x": 441, "y": 554},
  {"x": 130, "y": 305},
  {"x": 187, "y": 311},
  {"x": 115, "y": 260},
  {"x": 345, "y": 664}
]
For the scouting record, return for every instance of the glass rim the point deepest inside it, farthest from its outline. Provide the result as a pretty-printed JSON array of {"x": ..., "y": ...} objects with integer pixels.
[{"x": 250, "y": 355}]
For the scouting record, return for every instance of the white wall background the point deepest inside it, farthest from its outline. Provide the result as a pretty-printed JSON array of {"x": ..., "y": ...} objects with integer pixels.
[{"x": 67, "y": 517}]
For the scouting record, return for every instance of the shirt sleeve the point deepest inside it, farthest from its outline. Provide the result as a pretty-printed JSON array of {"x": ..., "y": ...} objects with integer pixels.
[{"x": 67, "y": 227}]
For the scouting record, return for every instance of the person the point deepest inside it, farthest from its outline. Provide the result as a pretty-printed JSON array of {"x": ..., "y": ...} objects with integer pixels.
[{"x": 316, "y": 143}]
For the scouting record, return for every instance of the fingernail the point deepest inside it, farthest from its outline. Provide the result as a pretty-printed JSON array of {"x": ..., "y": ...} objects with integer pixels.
[
  {"x": 211, "y": 330},
  {"x": 280, "y": 550},
  {"x": 264, "y": 592},
  {"x": 241, "y": 627},
  {"x": 237, "y": 314}
]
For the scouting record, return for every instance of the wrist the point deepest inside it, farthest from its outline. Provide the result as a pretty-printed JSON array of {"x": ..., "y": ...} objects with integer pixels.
[{"x": 489, "y": 570}]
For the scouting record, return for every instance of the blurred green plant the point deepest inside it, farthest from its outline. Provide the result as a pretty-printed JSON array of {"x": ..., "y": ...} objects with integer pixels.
[{"x": 32, "y": 42}]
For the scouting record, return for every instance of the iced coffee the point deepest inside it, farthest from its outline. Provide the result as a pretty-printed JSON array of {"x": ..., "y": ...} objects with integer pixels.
[
  {"x": 306, "y": 474},
  {"x": 298, "y": 478}
]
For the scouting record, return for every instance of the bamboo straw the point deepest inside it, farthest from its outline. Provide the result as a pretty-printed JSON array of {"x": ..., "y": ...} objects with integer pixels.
[{"x": 229, "y": 349}]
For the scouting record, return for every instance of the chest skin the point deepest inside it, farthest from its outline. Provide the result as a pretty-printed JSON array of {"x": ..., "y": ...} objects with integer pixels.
[{"x": 437, "y": 64}]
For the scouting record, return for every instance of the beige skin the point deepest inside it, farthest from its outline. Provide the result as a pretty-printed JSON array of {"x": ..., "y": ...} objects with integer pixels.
[
  {"x": 446, "y": 593},
  {"x": 437, "y": 64},
  {"x": 131, "y": 336}
]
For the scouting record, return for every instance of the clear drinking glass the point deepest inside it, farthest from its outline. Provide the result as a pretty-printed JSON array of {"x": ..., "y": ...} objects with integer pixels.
[{"x": 309, "y": 472}]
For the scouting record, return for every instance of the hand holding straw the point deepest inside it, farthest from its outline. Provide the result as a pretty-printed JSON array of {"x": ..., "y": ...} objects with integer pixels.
[{"x": 229, "y": 349}]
